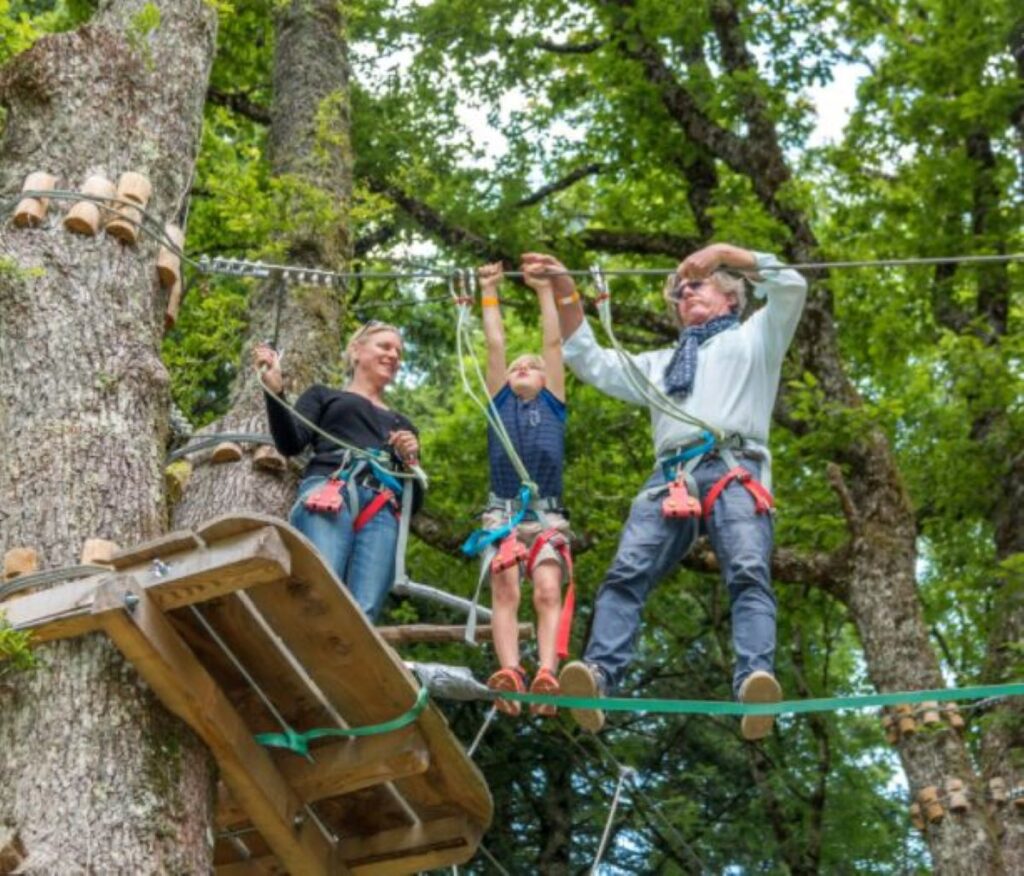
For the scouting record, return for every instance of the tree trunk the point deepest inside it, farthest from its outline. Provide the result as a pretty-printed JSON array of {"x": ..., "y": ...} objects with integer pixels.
[
  {"x": 95, "y": 774},
  {"x": 311, "y": 158}
]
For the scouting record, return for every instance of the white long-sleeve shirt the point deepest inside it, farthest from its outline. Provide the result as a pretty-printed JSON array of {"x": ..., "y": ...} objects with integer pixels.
[{"x": 738, "y": 369}]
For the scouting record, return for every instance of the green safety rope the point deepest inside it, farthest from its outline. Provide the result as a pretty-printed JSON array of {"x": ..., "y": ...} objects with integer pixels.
[
  {"x": 298, "y": 743},
  {"x": 714, "y": 707}
]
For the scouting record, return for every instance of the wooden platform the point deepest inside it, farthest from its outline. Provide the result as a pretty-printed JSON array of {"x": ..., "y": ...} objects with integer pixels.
[{"x": 396, "y": 803}]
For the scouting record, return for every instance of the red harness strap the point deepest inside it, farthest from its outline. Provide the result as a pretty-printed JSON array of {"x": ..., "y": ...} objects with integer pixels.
[
  {"x": 560, "y": 544},
  {"x": 763, "y": 501},
  {"x": 370, "y": 510},
  {"x": 511, "y": 552}
]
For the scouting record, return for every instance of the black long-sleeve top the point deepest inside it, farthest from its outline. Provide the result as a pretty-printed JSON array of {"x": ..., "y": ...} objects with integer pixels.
[{"x": 352, "y": 417}]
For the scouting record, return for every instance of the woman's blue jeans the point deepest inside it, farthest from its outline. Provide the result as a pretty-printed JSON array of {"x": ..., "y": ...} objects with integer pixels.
[
  {"x": 651, "y": 547},
  {"x": 364, "y": 561}
]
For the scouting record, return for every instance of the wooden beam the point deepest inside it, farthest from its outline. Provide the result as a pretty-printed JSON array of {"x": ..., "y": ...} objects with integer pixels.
[
  {"x": 342, "y": 768},
  {"x": 424, "y": 846},
  {"x": 409, "y": 634},
  {"x": 442, "y": 842},
  {"x": 132, "y": 618},
  {"x": 198, "y": 574}
]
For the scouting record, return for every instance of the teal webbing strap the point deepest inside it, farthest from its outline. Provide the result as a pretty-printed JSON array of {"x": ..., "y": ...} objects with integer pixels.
[
  {"x": 298, "y": 743},
  {"x": 714, "y": 707}
]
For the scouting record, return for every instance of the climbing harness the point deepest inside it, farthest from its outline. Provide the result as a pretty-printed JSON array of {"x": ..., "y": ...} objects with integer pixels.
[{"x": 560, "y": 543}]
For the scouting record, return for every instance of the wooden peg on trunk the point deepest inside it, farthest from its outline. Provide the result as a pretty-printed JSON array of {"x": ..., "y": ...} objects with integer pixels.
[
  {"x": 952, "y": 713},
  {"x": 136, "y": 189},
  {"x": 20, "y": 561},
  {"x": 168, "y": 262},
  {"x": 267, "y": 458},
  {"x": 173, "y": 306},
  {"x": 930, "y": 714},
  {"x": 916, "y": 818},
  {"x": 956, "y": 797},
  {"x": 87, "y": 217},
  {"x": 892, "y": 735},
  {"x": 98, "y": 551},
  {"x": 929, "y": 800},
  {"x": 997, "y": 791},
  {"x": 905, "y": 720},
  {"x": 31, "y": 211},
  {"x": 226, "y": 451}
]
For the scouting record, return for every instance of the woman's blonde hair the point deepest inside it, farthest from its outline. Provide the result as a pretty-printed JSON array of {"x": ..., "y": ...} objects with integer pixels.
[
  {"x": 729, "y": 284},
  {"x": 359, "y": 337}
]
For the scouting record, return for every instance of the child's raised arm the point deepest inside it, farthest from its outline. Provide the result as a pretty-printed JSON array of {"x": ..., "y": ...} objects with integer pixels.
[
  {"x": 541, "y": 282},
  {"x": 490, "y": 277}
]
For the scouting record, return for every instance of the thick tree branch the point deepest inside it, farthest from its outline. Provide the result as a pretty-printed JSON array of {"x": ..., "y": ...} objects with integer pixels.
[
  {"x": 643, "y": 243},
  {"x": 239, "y": 102},
  {"x": 380, "y": 235},
  {"x": 587, "y": 48},
  {"x": 559, "y": 185}
]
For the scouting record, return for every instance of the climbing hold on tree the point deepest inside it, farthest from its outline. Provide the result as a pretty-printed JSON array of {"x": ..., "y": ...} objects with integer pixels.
[
  {"x": 20, "y": 561},
  {"x": 168, "y": 262},
  {"x": 226, "y": 451},
  {"x": 892, "y": 735},
  {"x": 916, "y": 818},
  {"x": 31, "y": 211},
  {"x": 173, "y": 305},
  {"x": 98, "y": 551},
  {"x": 86, "y": 217},
  {"x": 905, "y": 719},
  {"x": 268, "y": 459},
  {"x": 956, "y": 796},
  {"x": 953, "y": 716},
  {"x": 997, "y": 791},
  {"x": 133, "y": 187},
  {"x": 929, "y": 800},
  {"x": 930, "y": 715}
]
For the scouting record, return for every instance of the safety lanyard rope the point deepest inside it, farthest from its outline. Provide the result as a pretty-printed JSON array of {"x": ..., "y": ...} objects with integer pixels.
[{"x": 638, "y": 380}]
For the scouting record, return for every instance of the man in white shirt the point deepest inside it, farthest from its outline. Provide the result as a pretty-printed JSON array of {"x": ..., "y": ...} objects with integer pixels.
[{"x": 724, "y": 376}]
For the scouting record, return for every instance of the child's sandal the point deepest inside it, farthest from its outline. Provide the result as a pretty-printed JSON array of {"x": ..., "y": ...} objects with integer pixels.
[
  {"x": 544, "y": 682},
  {"x": 512, "y": 680}
]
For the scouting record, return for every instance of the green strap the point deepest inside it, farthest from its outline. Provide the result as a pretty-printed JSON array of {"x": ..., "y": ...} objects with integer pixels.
[
  {"x": 298, "y": 743},
  {"x": 714, "y": 707}
]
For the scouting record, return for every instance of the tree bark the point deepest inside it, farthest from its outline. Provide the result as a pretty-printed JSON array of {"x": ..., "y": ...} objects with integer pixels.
[
  {"x": 311, "y": 160},
  {"x": 95, "y": 774}
]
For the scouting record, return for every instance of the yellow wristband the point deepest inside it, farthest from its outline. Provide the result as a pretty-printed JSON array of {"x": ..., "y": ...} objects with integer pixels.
[
  {"x": 572, "y": 299},
  {"x": 489, "y": 301}
]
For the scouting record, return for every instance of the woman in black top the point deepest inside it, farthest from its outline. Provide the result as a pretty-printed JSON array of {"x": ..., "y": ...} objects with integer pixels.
[{"x": 358, "y": 544}]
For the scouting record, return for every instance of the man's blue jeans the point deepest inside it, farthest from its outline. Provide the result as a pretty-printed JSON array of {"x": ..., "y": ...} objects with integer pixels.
[
  {"x": 652, "y": 546},
  {"x": 364, "y": 560}
]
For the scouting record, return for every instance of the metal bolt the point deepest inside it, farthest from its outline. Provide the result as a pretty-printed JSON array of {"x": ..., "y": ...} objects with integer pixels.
[
  {"x": 131, "y": 601},
  {"x": 160, "y": 568},
  {"x": 299, "y": 820}
]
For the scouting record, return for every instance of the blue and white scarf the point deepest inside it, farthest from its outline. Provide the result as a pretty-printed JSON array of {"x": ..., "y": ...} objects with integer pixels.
[{"x": 682, "y": 369}]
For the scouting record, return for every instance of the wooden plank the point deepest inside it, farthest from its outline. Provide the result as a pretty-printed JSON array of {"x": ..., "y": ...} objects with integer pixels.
[
  {"x": 363, "y": 677},
  {"x": 439, "y": 843},
  {"x": 133, "y": 620},
  {"x": 162, "y": 547},
  {"x": 344, "y": 767},
  {"x": 256, "y": 557},
  {"x": 410, "y": 634},
  {"x": 443, "y": 842}
]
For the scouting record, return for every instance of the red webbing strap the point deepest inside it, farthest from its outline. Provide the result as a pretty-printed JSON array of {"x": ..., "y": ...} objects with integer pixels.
[
  {"x": 370, "y": 510},
  {"x": 763, "y": 501},
  {"x": 560, "y": 544}
]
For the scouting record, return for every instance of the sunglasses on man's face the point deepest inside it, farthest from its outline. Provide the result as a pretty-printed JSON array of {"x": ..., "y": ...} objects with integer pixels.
[{"x": 681, "y": 287}]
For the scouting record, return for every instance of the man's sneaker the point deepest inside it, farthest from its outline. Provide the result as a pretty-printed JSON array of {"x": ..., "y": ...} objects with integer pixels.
[
  {"x": 511, "y": 680},
  {"x": 577, "y": 679},
  {"x": 758, "y": 687}
]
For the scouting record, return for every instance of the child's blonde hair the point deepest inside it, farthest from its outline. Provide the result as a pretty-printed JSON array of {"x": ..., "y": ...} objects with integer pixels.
[
  {"x": 359, "y": 337},
  {"x": 530, "y": 359}
]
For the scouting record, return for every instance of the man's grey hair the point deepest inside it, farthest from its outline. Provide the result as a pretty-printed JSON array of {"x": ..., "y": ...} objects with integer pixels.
[{"x": 733, "y": 286}]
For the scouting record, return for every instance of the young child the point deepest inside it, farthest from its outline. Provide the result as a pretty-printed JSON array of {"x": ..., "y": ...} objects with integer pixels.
[{"x": 529, "y": 396}]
